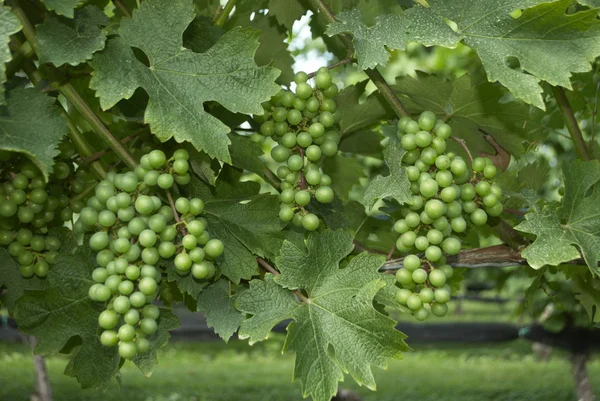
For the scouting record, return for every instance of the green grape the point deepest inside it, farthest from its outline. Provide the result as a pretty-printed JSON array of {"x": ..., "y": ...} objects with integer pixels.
[
  {"x": 108, "y": 319},
  {"x": 323, "y": 80},
  {"x": 166, "y": 250},
  {"x": 439, "y": 145},
  {"x": 437, "y": 278},
  {"x": 109, "y": 338},
  {"x": 147, "y": 285},
  {"x": 467, "y": 192},
  {"x": 427, "y": 120},
  {"x": 127, "y": 350},
  {"x": 324, "y": 194},
  {"x": 408, "y": 238},
  {"x": 408, "y": 142},
  {"x": 148, "y": 326},
  {"x": 24, "y": 213},
  {"x": 458, "y": 224},
  {"x": 411, "y": 157},
  {"x": 327, "y": 119},
  {"x": 316, "y": 130},
  {"x": 429, "y": 188},
  {"x": 435, "y": 209},
  {"x": 147, "y": 238},
  {"x": 479, "y": 217},
  {"x": 402, "y": 296},
  {"x": 421, "y": 314},
  {"x": 412, "y": 220},
  {"x": 132, "y": 272},
  {"x": 214, "y": 248},
  {"x": 132, "y": 317},
  {"x": 126, "y": 287},
  {"x": 203, "y": 270},
  {"x": 313, "y": 177},
  {"x": 144, "y": 205},
  {"x": 329, "y": 148},
  {"x": 165, "y": 181},
  {"x": 286, "y": 214},
  {"x": 196, "y": 206},
  {"x": 435, "y": 237},
  {"x": 121, "y": 245},
  {"x": 150, "y": 256},
  {"x": 181, "y": 154},
  {"x": 288, "y": 140},
  {"x": 401, "y": 227},
  {"x": 151, "y": 177},
  {"x": 458, "y": 167},
  {"x": 441, "y": 295},
  {"x": 414, "y": 302},
  {"x": 27, "y": 271},
  {"x": 302, "y": 197},
  {"x": 183, "y": 262},
  {"x": 439, "y": 310},
  {"x": 426, "y": 295},
  {"x": 197, "y": 255},
  {"x": 404, "y": 276},
  {"x": 443, "y": 131},
  {"x": 478, "y": 164},
  {"x": 433, "y": 253},
  {"x": 313, "y": 153},
  {"x": 157, "y": 158},
  {"x": 312, "y": 104},
  {"x": 411, "y": 127},
  {"x": 422, "y": 139},
  {"x": 303, "y": 90},
  {"x": 495, "y": 210},
  {"x": 421, "y": 243},
  {"x": 325, "y": 180},
  {"x": 137, "y": 299},
  {"x": 99, "y": 241},
  {"x": 444, "y": 178},
  {"x": 412, "y": 263},
  {"x": 189, "y": 241},
  {"x": 304, "y": 139},
  {"x": 310, "y": 222},
  {"x": 279, "y": 114},
  {"x": 419, "y": 276},
  {"x": 295, "y": 163}
]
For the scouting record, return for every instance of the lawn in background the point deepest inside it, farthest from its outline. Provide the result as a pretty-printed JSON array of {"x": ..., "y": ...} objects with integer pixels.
[{"x": 212, "y": 371}]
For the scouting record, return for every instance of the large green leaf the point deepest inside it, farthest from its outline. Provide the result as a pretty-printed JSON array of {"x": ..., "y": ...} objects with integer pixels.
[
  {"x": 218, "y": 304},
  {"x": 29, "y": 113},
  {"x": 394, "y": 185},
  {"x": 336, "y": 330},
  {"x": 179, "y": 81},
  {"x": 393, "y": 31},
  {"x": 247, "y": 223},
  {"x": 357, "y": 114},
  {"x": 63, "y": 41},
  {"x": 563, "y": 232},
  {"x": 9, "y": 24},
  {"x": 547, "y": 43},
  {"x": 288, "y": 11}
]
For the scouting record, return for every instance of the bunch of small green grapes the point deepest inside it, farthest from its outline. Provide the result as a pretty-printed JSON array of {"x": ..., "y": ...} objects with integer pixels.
[
  {"x": 447, "y": 196},
  {"x": 30, "y": 207},
  {"x": 133, "y": 230},
  {"x": 303, "y": 125},
  {"x": 156, "y": 170}
]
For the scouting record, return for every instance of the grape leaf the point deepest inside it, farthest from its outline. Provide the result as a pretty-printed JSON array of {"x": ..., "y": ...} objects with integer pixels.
[
  {"x": 63, "y": 41},
  {"x": 248, "y": 224},
  {"x": 471, "y": 108},
  {"x": 64, "y": 311},
  {"x": 62, "y": 7},
  {"x": 287, "y": 11},
  {"x": 273, "y": 49},
  {"x": 364, "y": 142},
  {"x": 336, "y": 329},
  {"x": 179, "y": 81},
  {"x": 575, "y": 225},
  {"x": 396, "y": 184},
  {"x": 9, "y": 24},
  {"x": 357, "y": 114},
  {"x": 28, "y": 113},
  {"x": 245, "y": 154},
  {"x": 201, "y": 34},
  {"x": 15, "y": 284},
  {"x": 345, "y": 172},
  {"x": 548, "y": 48},
  {"x": 218, "y": 306},
  {"x": 392, "y": 30}
]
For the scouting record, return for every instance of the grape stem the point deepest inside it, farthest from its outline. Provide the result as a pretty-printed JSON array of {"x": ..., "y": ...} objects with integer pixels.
[
  {"x": 514, "y": 211},
  {"x": 464, "y": 146},
  {"x": 571, "y": 123},
  {"x": 302, "y": 179},
  {"x": 373, "y": 74},
  {"x": 331, "y": 66},
  {"x": 362, "y": 247},
  {"x": 274, "y": 272},
  {"x": 181, "y": 228},
  {"x": 122, "y": 8},
  {"x": 272, "y": 179},
  {"x": 391, "y": 252},
  {"x": 222, "y": 17}
]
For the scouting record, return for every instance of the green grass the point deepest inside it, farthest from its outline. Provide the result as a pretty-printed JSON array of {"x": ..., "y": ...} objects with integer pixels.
[{"x": 216, "y": 371}]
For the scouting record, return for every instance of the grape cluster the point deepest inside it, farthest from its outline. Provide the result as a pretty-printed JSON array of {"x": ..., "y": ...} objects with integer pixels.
[
  {"x": 303, "y": 125},
  {"x": 30, "y": 207},
  {"x": 447, "y": 196},
  {"x": 133, "y": 229}
]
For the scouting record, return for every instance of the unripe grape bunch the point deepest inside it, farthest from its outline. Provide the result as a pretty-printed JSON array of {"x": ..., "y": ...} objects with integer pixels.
[
  {"x": 447, "y": 197},
  {"x": 303, "y": 125},
  {"x": 30, "y": 207},
  {"x": 135, "y": 227}
]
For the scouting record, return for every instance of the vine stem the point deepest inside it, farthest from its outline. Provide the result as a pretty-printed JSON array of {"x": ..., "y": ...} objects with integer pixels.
[
  {"x": 571, "y": 122},
  {"x": 97, "y": 155},
  {"x": 373, "y": 74},
  {"x": 391, "y": 253},
  {"x": 181, "y": 229},
  {"x": 274, "y": 272},
  {"x": 69, "y": 92},
  {"x": 331, "y": 66},
  {"x": 221, "y": 19},
  {"x": 464, "y": 146},
  {"x": 119, "y": 4}
]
